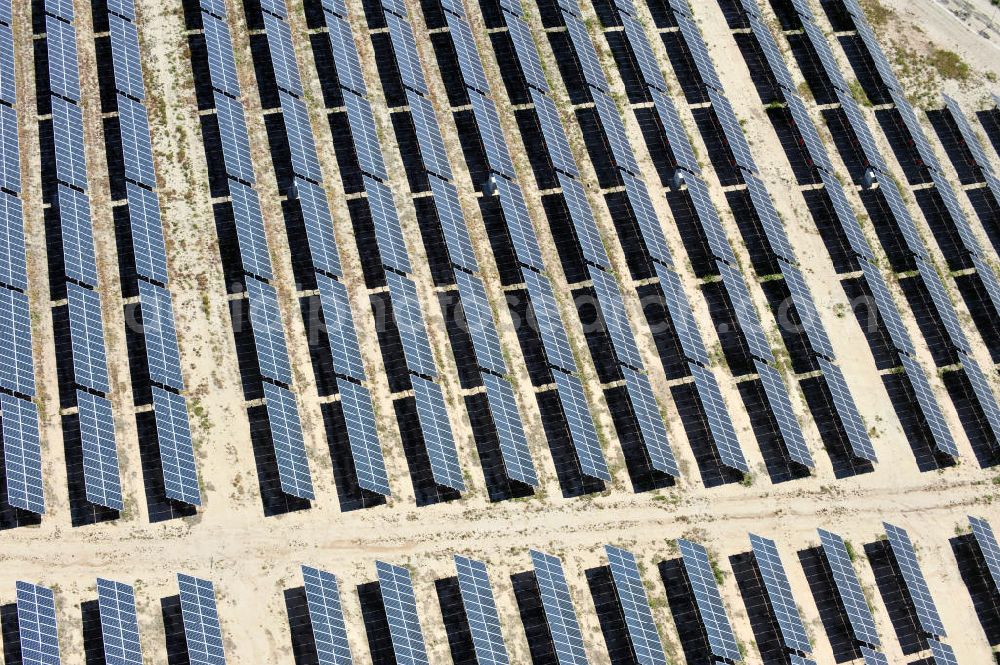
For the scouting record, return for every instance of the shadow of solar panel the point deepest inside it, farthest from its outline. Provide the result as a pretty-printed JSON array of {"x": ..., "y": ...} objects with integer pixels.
[
  {"x": 469, "y": 63},
  {"x": 202, "y": 631},
  {"x": 125, "y": 57},
  {"x": 67, "y": 127},
  {"x": 405, "y": 48},
  {"x": 781, "y": 406},
  {"x": 527, "y": 53},
  {"x": 87, "y": 338},
  {"x": 481, "y": 612},
  {"x": 452, "y": 220},
  {"x": 148, "y": 246},
  {"x": 254, "y": 253},
  {"x": 721, "y": 639},
  {"x": 300, "y": 137},
  {"x": 362, "y": 433},
  {"x": 431, "y": 143},
  {"x": 173, "y": 433},
  {"x": 581, "y": 427},
  {"x": 581, "y": 214},
  {"x": 100, "y": 453},
  {"x": 849, "y": 587},
  {"x": 916, "y": 585},
  {"x": 479, "y": 323},
  {"x": 279, "y": 44},
  {"x": 339, "y": 324},
  {"x": 554, "y": 135},
  {"x": 22, "y": 454},
  {"x": 388, "y": 232},
  {"x": 436, "y": 428},
  {"x": 708, "y": 218},
  {"x": 326, "y": 617},
  {"x": 64, "y": 74},
  {"x": 645, "y": 640},
  {"x": 410, "y": 322},
  {"x": 10, "y": 164},
  {"x": 560, "y": 615},
  {"x": 160, "y": 336},
  {"x": 289, "y": 446},
  {"x": 268, "y": 331},
  {"x": 234, "y": 138},
  {"x": 548, "y": 321},
  {"x": 612, "y": 307},
  {"x": 17, "y": 372},
  {"x": 36, "y": 621},
  {"x": 614, "y": 132},
  {"x": 221, "y": 63},
  {"x": 119, "y": 623},
  {"x": 491, "y": 134},
  {"x": 401, "y": 609},
  {"x": 746, "y": 313},
  {"x": 522, "y": 233},
  {"x": 650, "y": 420},
  {"x": 510, "y": 431},
  {"x": 943, "y": 305},
  {"x": 779, "y": 592},
  {"x": 136, "y": 146},
  {"x": 681, "y": 316},
  {"x": 719, "y": 421},
  {"x": 845, "y": 215},
  {"x": 929, "y": 406}
]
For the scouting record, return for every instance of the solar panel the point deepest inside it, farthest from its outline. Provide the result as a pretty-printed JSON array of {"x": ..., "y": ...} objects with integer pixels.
[
  {"x": 438, "y": 438},
  {"x": 338, "y": 324},
  {"x": 326, "y": 617},
  {"x": 395, "y": 6},
  {"x": 677, "y": 137},
  {"x": 615, "y": 318},
  {"x": 362, "y": 432},
  {"x": 719, "y": 423},
  {"x": 560, "y": 615},
  {"x": 8, "y": 82},
  {"x": 989, "y": 280},
  {"x": 845, "y": 215},
  {"x": 160, "y": 336},
  {"x": 681, "y": 316},
  {"x": 650, "y": 421},
  {"x": 955, "y": 212},
  {"x": 268, "y": 331},
  {"x": 481, "y": 612},
  {"x": 805, "y": 307},
  {"x": 136, "y": 147},
  {"x": 527, "y": 55},
  {"x": 275, "y": 7},
  {"x": 319, "y": 226},
  {"x": 125, "y": 56},
  {"x": 942, "y": 653},
  {"x": 214, "y": 7},
  {"x": 345, "y": 55},
  {"x": 432, "y": 151},
  {"x": 61, "y": 8},
  {"x": 873, "y": 657},
  {"x": 279, "y": 43},
  {"x": 86, "y": 328},
  {"x": 770, "y": 221},
  {"x": 969, "y": 137},
  {"x": 984, "y": 394},
  {"x": 17, "y": 372},
  {"x": 469, "y": 62},
  {"x": 887, "y": 309},
  {"x": 988, "y": 547},
  {"x": 614, "y": 132},
  {"x": 699, "y": 51},
  {"x": 388, "y": 232},
  {"x": 148, "y": 247},
  {"x": 731, "y": 127},
  {"x": 511, "y": 6},
  {"x": 335, "y": 7},
  {"x": 796, "y": 659},
  {"x": 548, "y": 322},
  {"x": 365, "y": 136},
  {"x": 410, "y": 322},
  {"x": 64, "y": 74},
  {"x": 36, "y": 622},
  {"x": 929, "y": 406},
  {"x": 780, "y": 402},
  {"x": 581, "y": 214},
  {"x": 847, "y": 410},
  {"x": 779, "y": 592},
  {"x": 519, "y": 227},
  {"x": 916, "y": 131},
  {"x": 806, "y": 127},
  {"x": 22, "y": 454},
  {"x": 289, "y": 446},
  {"x": 746, "y": 313},
  {"x": 124, "y": 8},
  {"x": 254, "y": 253},
  {"x": 862, "y": 132},
  {"x": 452, "y": 220},
  {"x": 10, "y": 156},
  {"x": 202, "y": 631},
  {"x": 643, "y": 52},
  {"x": 849, "y": 588},
  {"x": 581, "y": 427},
  {"x": 79, "y": 260},
  {"x": 721, "y": 639},
  {"x": 943, "y": 305},
  {"x": 119, "y": 623},
  {"x": 67, "y": 127},
  {"x": 300, "y": 137},
  {"x": 221, "y": 62},
  {"x": 913, "y": 577},
  {"x": 881, "y": 64},
  {"x": 708, "y": 217},
  {"x": 644, "y": 638},
  {"x": 405, "y": 47},
  {"x": 173, "y": 433},
  {"x": 401, "y": 609},
  {"x": 775, "y": 60},
  {"x": 234, "y": 138},
  {"x": 646, "y": 219},
  {"x": 590, "y": 64},
  {"x": 553, "y": 134},
  {"x": 100, "y": 454},
  {"x": 479, "y": 323},
  {"x": 510, "y": 431},
  {"x": 491, "y": 134}
]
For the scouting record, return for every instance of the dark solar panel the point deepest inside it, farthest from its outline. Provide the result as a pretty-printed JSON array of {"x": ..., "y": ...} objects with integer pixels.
[
  {"x": 527, "y": 54},
  {"x": 805, "y": 307},
  {"x": 234, "y": 138},
  {"x": 452, "y": 220},
  {"x": 548, "y": 322},
  {"x": 388, "y": 233},
  {"x": 847, "y": 410},
  {"x": 148, "y": 246},
  {"x": 746, "y": 313},
  {"x": 17, "y": 369},
  {"x": 887, "y": 309},
  {"x": 581, "y": 426},
  {"x": 202, "y": 631},
  {"x": 119, "y": 623},
  {"x": 90, "y": 365},
  {"x": 510, "y": 431},
  {"x": 268, "y": 331},
  {"x": 279, "y": 43},
  {"x": 410, "y": 322},
  {"x": 469, "y": 63},
  {"x": 780, "y": 401},
  {"x": 160, "y": 336},
  {"x": 67, "y": 126},
  {"x": 345, "y": 56},
  {"x": 289, "y": 446},
  {"x": 300, "y": 137},
  {"x": 479, "y": 323},
  {"x": 221, "y": 62},
  {"x": 560, "y": 615},
  {"x": 913, "y": 577},
  {"x": 338, "y": 323},
  {"x": 13, "y": 259},
  {"x": 432, "y": 149},
  {"x": 581, "y": 214},
  {"x": 554, "y": 135},
  {"x": 614, "y": 131},
  {"x": 125, "y": 56},
  {"x": 491, "y": 134},
  {"x": 929, "y": 406},
  {"x": 401, "y": 609},
  {"x": 64, "y": 74},
  {"x": 639, "y": 622},
  {"x": 36, "y": 623},
  {"x": 590, "y": 64},
  {"x": 173, "y": 432},
  {"x": 721, "y": 639},
  {"x": 645, "y": 217},
  {"x": 849, "y": 588},
  {"x": 254, "y": 253},
  {"x": 681, "y": 316},
  {"x": 436, "y": 428},
  {"x": 80, "y": 262},
  {"x": 362, "y": 432},
  {"x": 326, "y": 617},
  {"x": 651, "y": 424},
  {"x": 774, "y": 227},
  {"x": 136, "y": 146},
  {"x": 719, "y": 422},
  {"x": 319, "y": 226},
  {"x": 101, "y": 475},
  {"x": 22, "y": 453},
  {"x": 481, "y": 612},
  {"x": 405, "y": 47},
  {"x": 612, "y": 307},
  {"x": 518, "y": 221}
]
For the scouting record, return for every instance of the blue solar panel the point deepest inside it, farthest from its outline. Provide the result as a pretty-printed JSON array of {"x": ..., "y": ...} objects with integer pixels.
[
  {"x": 148, "y": 247},
  {"x": 339, "y": 325},
  {"x": 582, "y": 216},
  {"x": 942, "y": 653},
  {"x": 681, "y": 316},
  {"x": 648, "y": 222},
  {"x": 279, "y": 43},
  {"x": 775, "y": 60},
  {"x": 388, "y": 232},
  {"x": 862, "y": 131},
  {"x": 61, "y": 8},
  {"x": 345, "y": 56},
  {"x": 8, "y": 82},
  {"x": 988, "y": 547},
  {"x": 847, "y": 410},
  {"x": 699, "y": 51},
  {"x": 492, "y": 136},
  {"x": 214, "y": 7},
  {"x": 814, "y": 144},
  {"x": 160, "y": 336},
  {"x": 401, "y": 609},
  {"x": 916, "y": 131},
  {"x": 943, "y": 306},
  {"x": 650, "y": 420},
  {"x": 452, "y": 220},
  {"x": 125, "y": 56},
  {"x": 989, "y": 280},
  {"x": 805, "y": 307},
  {"x": 819, "y": 42},
  {"x": 36, "y": 623},
  {"x": 173, "y": 433},
  {"x": 872, "y": 657},
  {"x": 984, "y": 394},
  {"x": 849, "y": 588},
  {"x": 429, "y": 139},
  {"x": 845, "y": 215},
  {"x": 746, "y": 313},
  {"x": 136, "y": 147},
  {"x": 124, "y": 8},
  {"x": 300, "y": 137},
  {"x": 268, "y": 331},
  {"x": 779, "y": 592},
  {"x": 616, "y": 323},
  {"x": 319, "y": 226},
  {"x": 969, "y": 136},
  {"x": 481, "y": 612},
  {"x": 721, "y": 639},
  {"x": 64, "y": 74},
  {"x": 10, "y": 154},
  {"x": 234, "y": 138},
  {"x": 929, "y": 406},
  {"x": 643, "y": 53},
  {"x": 405, "y": 47},
  {"x": 581, "y": 427},
  {"x": 676, "y": 135},
  {"x": 590, "y": 64},
  {"x": 510, "y": 431},
  {"x": 955, "y": 212},
  {"x": 479, "y": 323},
  {"x": 289, "y": 446},
  {"x": 80, "y": 262},
  {"x": 469, "y": 63},
  {"x": 614, "y": 132},
  {"x": 119, "y": 623},
  {"x": 708, "y": 217},
  {"x": 780, "y": 402},
  {"x": 100, "y": 454},
  {"x": 553, "y": 134},
  {"x": 527, "y": 54},
  {"x": 560, "y": 615},
  {"x": 201, "y": 621},
  {"x": 326, "y": 617},
  {"x": 548, "y": 322},
  {"x": 770, "y": 221},
  {"x": 254, "y": 253},
  {"x": 904, "y": 222},
  {"x": 366, "y": 141},
  {"x": 913, "y": 577},
  {"x": 221, "y": 62},
  {"x": 335, "y": 7},
  {"x": 731, "y": 127},
  {"x": 16, "y": 361},
  {"x": 719, "y": 423},
  {"x": 22, "y": 454},
  {"x": 90, "y": 365},
  {"x": 522, "y": 233},
  {"x": 887, "y": 309},
  {"x": 410, "y": 322},
  {"x": 644, "y": 638},
  {"x": 436, "y": 429},
  {"x": 67, "y": 126},
  {"x": 362, "y": 432}
]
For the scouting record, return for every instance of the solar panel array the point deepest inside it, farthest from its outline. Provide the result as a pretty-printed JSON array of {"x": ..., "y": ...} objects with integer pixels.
[
  {"x": 481, "y": 612},
  {"x": 982, "y": 531},
  {"x": 36, "y": 624},
  {"x": 971, "y": 141},
  {"x": 18, "y": 413},
  {"x": 779, "y": 593},
  {"x": 557, "y": 604},
  {"x": 643, "y": 636},
  {"x": 326, "y": 617},
  {"x": 859, "y": 615},
  {"x": 119, "y": 623},
  {"x": 200, "y": 616},
  {"x": 721, "y": 638},
  {"x": 913, "y": 578},
  {"x": 401, "y": 609}
]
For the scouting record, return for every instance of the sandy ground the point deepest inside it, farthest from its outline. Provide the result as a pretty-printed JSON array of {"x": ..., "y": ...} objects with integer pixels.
[{"x": 252, "y": 559}]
